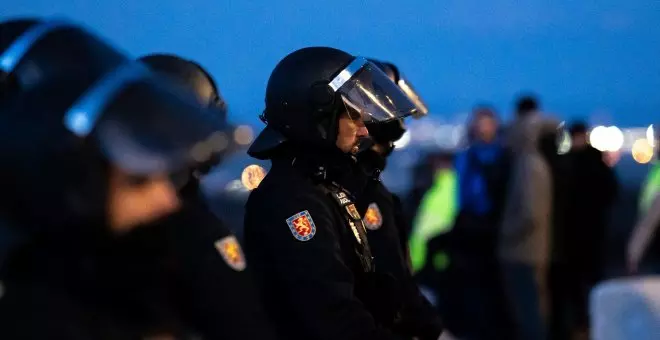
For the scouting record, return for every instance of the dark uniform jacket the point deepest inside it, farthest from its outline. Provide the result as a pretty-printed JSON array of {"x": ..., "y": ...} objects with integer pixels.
[
  {"x": 385, "y": 221},
  {"x": 317, "y": 280},
  {"x": 184, "y": 278}
]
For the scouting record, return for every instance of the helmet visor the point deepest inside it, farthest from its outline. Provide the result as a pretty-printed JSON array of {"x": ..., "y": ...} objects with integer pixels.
[
  {"x": 409, "y": 90},
  {"x": 145, "y": 125},
  {"x": 368, "y": 92}
]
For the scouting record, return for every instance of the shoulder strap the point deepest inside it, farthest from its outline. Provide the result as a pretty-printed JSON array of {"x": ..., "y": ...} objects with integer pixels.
[{"x": 355, "y": 223}]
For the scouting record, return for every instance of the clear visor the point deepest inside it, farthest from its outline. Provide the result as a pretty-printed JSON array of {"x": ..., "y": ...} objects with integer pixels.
[
  {"x": 145, "y": 125},
  {"x": 370, "y": 95},
  {"x": 407, "y": 88}
]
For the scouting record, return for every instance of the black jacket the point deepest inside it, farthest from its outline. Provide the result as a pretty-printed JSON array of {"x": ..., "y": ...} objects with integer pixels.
[
  {"x": 308, "y": 262},
  {"x": 385, "y": 222},
  {"x": 183, "y": 277}
]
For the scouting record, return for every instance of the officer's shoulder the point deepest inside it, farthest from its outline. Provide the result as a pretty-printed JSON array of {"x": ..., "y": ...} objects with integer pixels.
[
  {"x": 282, "y": 200},
  {"x": 281, "y": 187}
]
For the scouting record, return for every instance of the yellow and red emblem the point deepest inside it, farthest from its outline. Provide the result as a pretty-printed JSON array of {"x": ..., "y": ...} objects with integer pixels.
[
  {"x": 373, "y": 219},
  {"x": 302, "y": 226},
  {"x": 231, "y": 252}
]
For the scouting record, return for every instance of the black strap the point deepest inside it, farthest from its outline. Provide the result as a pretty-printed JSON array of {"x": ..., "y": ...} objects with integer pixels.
[{"x": 355, "y": 224}]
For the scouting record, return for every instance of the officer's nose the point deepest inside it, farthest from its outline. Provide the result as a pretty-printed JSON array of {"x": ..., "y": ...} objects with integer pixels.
[{"x": 362, "y": 131}]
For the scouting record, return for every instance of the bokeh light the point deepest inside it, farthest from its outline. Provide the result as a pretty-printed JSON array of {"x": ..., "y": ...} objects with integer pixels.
[
  {"x": 642, "y": 151},
  {"x": 606, "y": 138},
  {"x": 252, "y": 176},
  {"x": 243, "y": 135}
]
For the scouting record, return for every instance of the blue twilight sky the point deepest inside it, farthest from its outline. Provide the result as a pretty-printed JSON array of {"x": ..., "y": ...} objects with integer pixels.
[{"x": 587, "y": 58}]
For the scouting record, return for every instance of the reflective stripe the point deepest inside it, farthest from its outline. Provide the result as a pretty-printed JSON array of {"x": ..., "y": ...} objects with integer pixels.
[
  {"x": 22, "y": 45},
  {"x": 84, "y": 114},
  {"x": 346, "y": 74}
]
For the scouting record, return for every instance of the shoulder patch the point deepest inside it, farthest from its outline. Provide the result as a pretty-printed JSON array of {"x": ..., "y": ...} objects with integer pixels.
[
  {"x": 302, "y": 226},
  {"x": 373, "y": 219},
  {"x": 231, "y": 252}
]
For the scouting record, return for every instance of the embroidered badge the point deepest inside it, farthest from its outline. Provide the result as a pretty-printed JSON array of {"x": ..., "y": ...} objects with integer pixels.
[
  {"x": 302, "y": 226},
  {"x": 353, "y": 212},
  {"x": 373, "y": 219},
  {"x": 231, "y": 252},
  {"x": 355, "y": 231}
]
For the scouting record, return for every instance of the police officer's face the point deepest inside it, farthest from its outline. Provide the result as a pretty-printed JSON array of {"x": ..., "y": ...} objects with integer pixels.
[
  {"x": 350, "y": 130},
  {"x": 133, "y": 201}
]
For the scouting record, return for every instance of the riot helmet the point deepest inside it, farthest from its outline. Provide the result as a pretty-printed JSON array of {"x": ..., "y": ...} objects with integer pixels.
[
  {"x": 81, "y": 106},
  {"x": 311, "y": 87},
  {"x": 138, "y": 120},
  {"x": 193, "y": 77}
]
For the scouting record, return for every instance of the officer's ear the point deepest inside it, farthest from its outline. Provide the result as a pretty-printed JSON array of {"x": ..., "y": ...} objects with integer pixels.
[{"x": 325, "y": 110}]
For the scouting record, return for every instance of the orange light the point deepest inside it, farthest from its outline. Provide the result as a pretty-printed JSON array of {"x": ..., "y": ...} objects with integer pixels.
[
  {"x": 243, "y": 135},
  {"x": 642, "y": 151},
  {"x": 252, "y": 176}
]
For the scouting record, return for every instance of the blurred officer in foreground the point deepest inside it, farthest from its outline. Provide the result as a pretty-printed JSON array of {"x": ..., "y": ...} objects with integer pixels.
[
  {"x": 213, "y": 285},
  {"x": 89, "y": 140},
  {"x": 303, "y": 234},
  {"x": 386, "y": 223}
]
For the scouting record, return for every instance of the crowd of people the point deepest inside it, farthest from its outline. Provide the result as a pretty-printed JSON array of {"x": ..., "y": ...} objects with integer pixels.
[
  {"x": 509, "y": 239},
  {"x": 105, "y": 234}
]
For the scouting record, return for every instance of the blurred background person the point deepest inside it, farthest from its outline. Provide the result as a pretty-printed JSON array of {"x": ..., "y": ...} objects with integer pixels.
[
  {"x": 593, "y": 190},
  {"x": 481, "y": 172},
  {"x": 524, "y": 241}
]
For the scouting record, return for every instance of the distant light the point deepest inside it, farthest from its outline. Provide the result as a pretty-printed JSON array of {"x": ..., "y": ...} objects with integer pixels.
[
  {"x": 235, "y": 185},
  {"x": 650, "y": 135},
  {"x": 252, "y": 176},
  {"x": 403, "y": 141},
  {"x": 201, "y": 152},
  {"x": 597, "y": 137},
  {"x": 606, "y": 138},
  {"x": 243, "y": 135},
  {"x": 615, "y": 139},
  {"x": 642, "y": 151},
  {"x": 564, "y": 143},
  {"x": 218, "y": 141}
]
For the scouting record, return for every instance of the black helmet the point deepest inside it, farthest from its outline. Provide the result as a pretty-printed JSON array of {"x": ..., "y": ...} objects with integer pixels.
[
  {"x": 64, "y": 75},
  {"x": 310, "y": 87},
  {"x": 10, "y": 31},
  {"x": 193, "y": 77},
  {"x": 78, "y": 104}
]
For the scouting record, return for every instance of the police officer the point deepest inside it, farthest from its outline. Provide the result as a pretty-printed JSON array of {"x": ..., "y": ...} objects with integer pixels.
[
  {"x": 216, "y": 290},
  {"x": 304, "y": 238},
  {"x": 386, "y": 224},
  {"x": 89, "y": 139}
]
